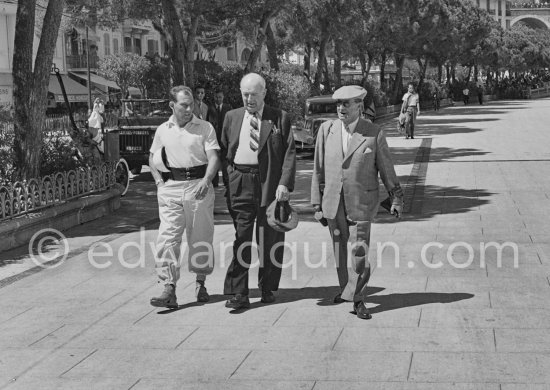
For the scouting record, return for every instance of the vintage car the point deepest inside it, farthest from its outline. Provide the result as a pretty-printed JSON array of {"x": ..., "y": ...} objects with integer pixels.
[
  {"x": 136, "y": 129},
  {"x": 319, "y": 109}
]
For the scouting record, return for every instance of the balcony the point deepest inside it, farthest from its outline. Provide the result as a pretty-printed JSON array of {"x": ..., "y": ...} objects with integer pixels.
[
  {"x": 529, "y": 5},
  {"x": 78, "y": 61}
]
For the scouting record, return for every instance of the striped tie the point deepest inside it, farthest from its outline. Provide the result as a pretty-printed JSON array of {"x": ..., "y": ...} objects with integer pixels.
[{"x": 254, "y": 133}]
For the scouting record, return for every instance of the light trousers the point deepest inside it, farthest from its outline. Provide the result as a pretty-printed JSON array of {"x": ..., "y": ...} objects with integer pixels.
[{"x": 180, "y": 213}]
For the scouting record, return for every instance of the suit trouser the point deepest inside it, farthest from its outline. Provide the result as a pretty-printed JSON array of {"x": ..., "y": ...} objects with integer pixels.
[
  {"x": 411, "y": 119},
  {"x": 180, "y": 212},
  {"x": 244, "y": 197},
  {"x": 353, "y": 278}
]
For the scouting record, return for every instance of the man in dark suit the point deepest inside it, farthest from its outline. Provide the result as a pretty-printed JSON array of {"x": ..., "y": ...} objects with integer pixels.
[
  {"x": 260, "y": 157},
  {"x": 350, "y": 154},
  {"x": 216, "y": 115},
  {"x": 200, "y": 108}
]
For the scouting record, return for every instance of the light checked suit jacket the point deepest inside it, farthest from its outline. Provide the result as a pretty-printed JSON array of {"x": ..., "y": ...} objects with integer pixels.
[{"x": 355, "y": 174}]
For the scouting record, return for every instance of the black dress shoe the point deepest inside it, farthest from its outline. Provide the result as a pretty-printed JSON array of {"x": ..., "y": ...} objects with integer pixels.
[
  {"x": 338, "y": 299},
  {"x": 238, "y": 301},
  {"x": 361, "y": 311},
  {"x": 267, "y": 297}
]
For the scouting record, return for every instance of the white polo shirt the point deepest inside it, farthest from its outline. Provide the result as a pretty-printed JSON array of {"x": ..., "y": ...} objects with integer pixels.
[
  {"x": 186, "y": 146},
  {"x": 245, "y": 155}
]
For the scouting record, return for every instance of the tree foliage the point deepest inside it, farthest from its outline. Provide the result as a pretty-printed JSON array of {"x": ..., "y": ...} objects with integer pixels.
[{"x": 125, "y": 69}]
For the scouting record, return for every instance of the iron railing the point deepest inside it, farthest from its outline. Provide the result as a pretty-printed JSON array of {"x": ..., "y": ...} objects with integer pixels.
[{"x": 24, "y": 197}]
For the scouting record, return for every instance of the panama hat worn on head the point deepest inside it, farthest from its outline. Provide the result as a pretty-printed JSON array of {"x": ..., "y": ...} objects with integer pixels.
[
  {"x": 160, "y": 162},
  {"x": 349, "y": 92},
  {"x": 281, "y": 216}
]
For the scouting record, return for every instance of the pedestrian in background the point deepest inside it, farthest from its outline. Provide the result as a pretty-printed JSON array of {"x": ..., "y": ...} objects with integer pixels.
[
  {"x": 350, "y": 153},
  {"x": 201, "y": 109},
  {"x": 479, "y": 86},
  {"x": 183, "y": 160},
  {"x": 260, "y": 157},
  {"x": 410, "y": 106},
  {"x": 466, "y": 95},
  {"x": 216, "y": 115}
]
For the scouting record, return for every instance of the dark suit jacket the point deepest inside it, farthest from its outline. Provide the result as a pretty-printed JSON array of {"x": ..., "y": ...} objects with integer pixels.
[
  {"x": 276, "y": 152},
  {"x": 201, "y": 112},
  {"x": 355, "y": 174},
  {"x": 216, "y": 118}
]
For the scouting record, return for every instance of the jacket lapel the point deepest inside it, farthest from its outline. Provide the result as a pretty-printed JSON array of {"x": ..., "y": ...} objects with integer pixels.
[
  {"x": 268, "y": 120},
  {"x": 356, "y": 139},
  {"x": 335, "y": 142},
  {"x": 236, "y": 128}
]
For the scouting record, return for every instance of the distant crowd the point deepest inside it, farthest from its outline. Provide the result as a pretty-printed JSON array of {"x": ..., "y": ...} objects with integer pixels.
[{"x": 536, "y": 4}]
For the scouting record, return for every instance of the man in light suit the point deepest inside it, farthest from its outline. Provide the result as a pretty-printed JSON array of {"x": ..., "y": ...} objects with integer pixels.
[
  {"x": 260, "y": 157},
  {"x": 350, "y": 152},
  {"x": 216, "y": 115}
]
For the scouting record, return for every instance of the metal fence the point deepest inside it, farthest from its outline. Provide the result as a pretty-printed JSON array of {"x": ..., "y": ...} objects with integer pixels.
[{"x": 25, "y": 197}]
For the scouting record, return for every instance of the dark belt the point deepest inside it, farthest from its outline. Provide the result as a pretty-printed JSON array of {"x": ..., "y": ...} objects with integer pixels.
[
  {"x": 245, "y": 168},
  {"x": 184, "y": 174}
]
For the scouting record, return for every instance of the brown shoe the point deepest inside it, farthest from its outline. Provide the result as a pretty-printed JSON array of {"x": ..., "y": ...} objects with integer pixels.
[
  {"x": 201, "y": 293},
  {"x": 167, "y": 298},
  {"x": 238, "y": 301},
  {"x": 267, "y": 297},
  {"x": 361, "y": 310}
]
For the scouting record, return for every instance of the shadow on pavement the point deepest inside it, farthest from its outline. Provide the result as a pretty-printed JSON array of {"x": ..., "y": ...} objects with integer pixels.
[{"x": 399, "y": 301}]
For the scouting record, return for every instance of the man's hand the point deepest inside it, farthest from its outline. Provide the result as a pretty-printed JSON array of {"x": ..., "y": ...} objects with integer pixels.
[
  {"x": 282, "y": 194},
  {"x": 396, "y": 209},
  {"x": 202, "y": 189}
]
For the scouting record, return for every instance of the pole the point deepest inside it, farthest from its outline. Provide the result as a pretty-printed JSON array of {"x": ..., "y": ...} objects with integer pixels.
[{"x": 88, "y": 68}]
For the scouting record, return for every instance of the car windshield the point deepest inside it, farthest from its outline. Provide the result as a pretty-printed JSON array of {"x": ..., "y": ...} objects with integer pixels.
[{"x": 321, "y": 108}]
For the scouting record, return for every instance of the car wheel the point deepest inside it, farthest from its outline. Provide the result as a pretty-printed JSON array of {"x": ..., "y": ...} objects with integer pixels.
[
  {"x": 136, "y": 169},
  {"x": 122, "y": 175}
]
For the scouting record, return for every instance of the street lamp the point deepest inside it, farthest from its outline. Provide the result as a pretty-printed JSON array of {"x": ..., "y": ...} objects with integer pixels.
[{"x": 86, "y": 11}]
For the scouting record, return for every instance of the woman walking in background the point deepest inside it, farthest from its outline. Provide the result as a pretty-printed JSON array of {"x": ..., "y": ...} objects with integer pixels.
[{"x": 410, "y": 106}]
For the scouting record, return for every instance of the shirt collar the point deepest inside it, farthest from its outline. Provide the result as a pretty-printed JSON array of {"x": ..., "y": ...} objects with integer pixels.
[
  {"x": 351, "y": 126},
  {"x": 173, "y": 122},
  {"x": 259, "y": 113}
]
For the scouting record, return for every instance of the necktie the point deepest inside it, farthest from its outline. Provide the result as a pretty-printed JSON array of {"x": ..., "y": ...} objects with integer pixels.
[
  {"x": 254, "y": 133},
  {"x": 345, "y": 138}
]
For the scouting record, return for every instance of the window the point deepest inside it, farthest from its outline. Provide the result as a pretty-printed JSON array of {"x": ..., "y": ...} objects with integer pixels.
[
  {"x": 231, "y": 54},
  {"x": 488, "y": 5},
  {"x": 115, "y": 45},
  {"x": 150, "y": 47},
  {"x": 507, "y": 24},
  {"x": 137, "y": 46},
  {"x": 107, "y": 44},
  {"x": 127, "y": 44}
]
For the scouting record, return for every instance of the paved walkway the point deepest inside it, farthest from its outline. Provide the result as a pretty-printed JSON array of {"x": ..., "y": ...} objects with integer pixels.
[{"x": 475, "y": 175}]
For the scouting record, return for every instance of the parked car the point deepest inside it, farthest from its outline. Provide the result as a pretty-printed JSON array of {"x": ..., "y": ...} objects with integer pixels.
[
  {"x": 136, "y": 132},
  {"x": 319, "y": 109}
]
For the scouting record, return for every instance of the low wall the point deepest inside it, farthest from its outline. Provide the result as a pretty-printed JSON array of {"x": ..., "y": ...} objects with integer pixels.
[{"x": 19, "y": 231}]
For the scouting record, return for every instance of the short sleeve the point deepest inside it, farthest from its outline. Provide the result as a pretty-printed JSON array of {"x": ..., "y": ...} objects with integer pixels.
[
  {"x": 211, "y": 142},
  {"x": 157, "y": 142}
]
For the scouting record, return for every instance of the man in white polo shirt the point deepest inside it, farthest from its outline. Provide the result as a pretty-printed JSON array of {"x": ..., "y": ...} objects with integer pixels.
[{"x": 183, "y": 160}]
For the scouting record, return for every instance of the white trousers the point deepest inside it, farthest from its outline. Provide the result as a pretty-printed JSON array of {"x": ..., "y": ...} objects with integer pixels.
[{"x": 180, "y": 212}]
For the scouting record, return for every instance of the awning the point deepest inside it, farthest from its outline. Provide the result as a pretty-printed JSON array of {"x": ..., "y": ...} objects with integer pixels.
[
  {"x": 95, "y": 79},
  {"x": 75, "y": 91}
]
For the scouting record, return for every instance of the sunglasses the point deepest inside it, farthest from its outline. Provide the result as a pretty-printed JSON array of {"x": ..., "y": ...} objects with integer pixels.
[{"x": 345, "y": 103}]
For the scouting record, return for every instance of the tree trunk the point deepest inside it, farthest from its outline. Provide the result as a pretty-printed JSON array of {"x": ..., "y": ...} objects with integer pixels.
[
  {"x": 439, "y": 73},
  {"x": 475, "y": 73},
  {"x": 448, "y": 74},
  {"x": 326, "y": 76},
  {"x": 369, "y": 65},
  {"x": 30, "y": 88},
  {"x": 260, "y": 40},
  {"x": 363, "y": 63},
  {"x": 398, "y": 86},
  {"x": 321, "y": 59},
  {"x": 307, "y": 60},
  {"x": 272, "y": 49},
  {"x": 177, "y": 47},
  {"x": 189, "y": 60},
  {"x": 469, "y": 74},
  {"x": 423, "y": 66},
  {"x": 382, "y": 71},
  {"x": 337, "y": 63},
  {"x": 453, "y": 74}
]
